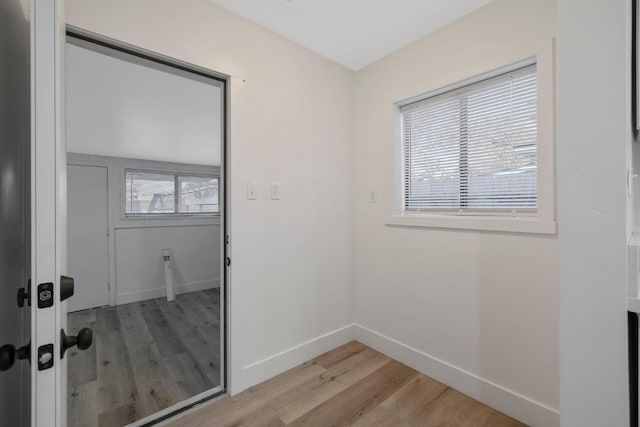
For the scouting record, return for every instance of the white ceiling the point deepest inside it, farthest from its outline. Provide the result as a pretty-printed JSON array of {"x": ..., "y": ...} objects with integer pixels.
[
  {"x": 125, "y": 109},
  {"x": 354, "y": 33}
]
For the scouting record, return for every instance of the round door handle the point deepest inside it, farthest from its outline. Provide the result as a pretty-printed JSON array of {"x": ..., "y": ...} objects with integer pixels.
[
  {"x": 9, "y": 354},
  {"x": 83, "y": 340}
]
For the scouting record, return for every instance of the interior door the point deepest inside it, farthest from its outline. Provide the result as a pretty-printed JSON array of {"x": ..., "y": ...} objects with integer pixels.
[
  {"x": 15, "y": 316},
  {"x": 88, "y": 241}
]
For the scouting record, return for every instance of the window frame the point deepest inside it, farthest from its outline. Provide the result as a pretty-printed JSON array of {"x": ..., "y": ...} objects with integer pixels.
[
  {"x": 540, "y": 221},
  {"x": 164, "y": 215}
]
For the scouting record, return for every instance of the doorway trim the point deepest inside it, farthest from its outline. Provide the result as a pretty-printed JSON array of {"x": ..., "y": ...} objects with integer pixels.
[{"x": 167, "y": 63}]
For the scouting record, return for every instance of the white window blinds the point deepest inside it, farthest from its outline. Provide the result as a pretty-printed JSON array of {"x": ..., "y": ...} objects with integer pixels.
[{"x": 473, "y": 148}]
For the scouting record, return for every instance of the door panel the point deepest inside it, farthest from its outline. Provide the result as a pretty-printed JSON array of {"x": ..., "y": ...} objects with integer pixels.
[
  {"x": 15, "y": 322},
  {"x": 48, "y": 222},
  {"x": 87, "y": 236}
]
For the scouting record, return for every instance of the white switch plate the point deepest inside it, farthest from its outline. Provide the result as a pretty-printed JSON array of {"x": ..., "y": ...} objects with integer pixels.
[
  {"x": 373, "y": 197},
  {"x": 275, "y": 191},
  {"x": 252, "y": 190}
]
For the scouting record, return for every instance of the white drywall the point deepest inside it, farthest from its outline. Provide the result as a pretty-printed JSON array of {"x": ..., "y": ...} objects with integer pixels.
[
  {"x": 122, "y": 109},
  {"x": 477, "y": 309},
  {"x": 291, "y": 123},
  {"x": 594, "y": 141},
  {"x": 195, "y": 260}
]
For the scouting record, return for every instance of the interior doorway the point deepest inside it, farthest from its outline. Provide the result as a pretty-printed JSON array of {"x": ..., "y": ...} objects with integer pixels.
[{"x": 146, "y": 232}]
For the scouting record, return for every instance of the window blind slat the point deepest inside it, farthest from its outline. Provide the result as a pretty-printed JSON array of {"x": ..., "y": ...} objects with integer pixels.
[{"x": 474, "y": 147}]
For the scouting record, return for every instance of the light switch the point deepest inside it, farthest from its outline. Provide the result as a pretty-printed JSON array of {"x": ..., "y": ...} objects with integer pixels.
[
  {"x": 252, "y": 190},
  {"x": 275, "y": 191},
  {"x": 373, "y": 197}
]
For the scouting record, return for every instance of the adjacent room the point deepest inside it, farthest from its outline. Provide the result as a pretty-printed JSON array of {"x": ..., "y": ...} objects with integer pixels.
[{"x": 144, "y": 143}]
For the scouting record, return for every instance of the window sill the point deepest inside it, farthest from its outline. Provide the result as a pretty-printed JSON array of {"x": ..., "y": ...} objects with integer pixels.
[
  {"x": 169, "y": 216},
  {"x": 154, "y": 222},
  {"x": 511, "y": 224}
]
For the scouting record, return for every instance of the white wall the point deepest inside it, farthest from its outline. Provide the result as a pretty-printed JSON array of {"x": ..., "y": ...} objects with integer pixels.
[
  {"x": 594, "y": 140},
  {"x": 478, "y": 310},
  {"x": 195, "y": 260},
  {"x": 292, "y": 123},
  {"x": 124, "y": 109}
]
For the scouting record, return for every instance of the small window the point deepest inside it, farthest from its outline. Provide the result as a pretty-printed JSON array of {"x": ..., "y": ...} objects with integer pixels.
[
  {"x": 198, "y": 194},
  {"x": 154, "y": 193},
  {"x": 473, "y": 149}
]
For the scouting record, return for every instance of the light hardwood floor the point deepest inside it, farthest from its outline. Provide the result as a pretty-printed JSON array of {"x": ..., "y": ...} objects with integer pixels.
[
  {"x": 146, "y": 356},
  {"x": 352, "y": 385}
]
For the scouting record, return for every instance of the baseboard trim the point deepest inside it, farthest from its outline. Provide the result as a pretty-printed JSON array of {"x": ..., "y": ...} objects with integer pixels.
[
  {"x": 261, "y": 370},
  {"x": 508, "y": 401},
  {"x": 146, "y": 294}
]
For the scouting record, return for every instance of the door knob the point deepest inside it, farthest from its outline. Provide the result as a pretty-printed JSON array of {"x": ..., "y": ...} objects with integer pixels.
[
  {"x": 83, "y": 340},
  {"x": 8, "y": 355},
  {"x": 24, "y": 294},
  {"x": 66, "y": 287}
]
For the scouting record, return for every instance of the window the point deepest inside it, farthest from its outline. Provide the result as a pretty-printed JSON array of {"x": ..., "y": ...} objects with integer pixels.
[
  {"x": 473, "y": 149},
  {"x": 154, "y": 193}
]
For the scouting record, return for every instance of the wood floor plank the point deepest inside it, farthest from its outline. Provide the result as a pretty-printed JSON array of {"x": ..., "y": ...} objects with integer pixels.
[
  {"x": 187, "y": 374},
  {"x": 454, "y": 409},
  {"x": 199, "y": 309},
  {"x": 352, "y": 404},
  {"x": 81, "y": 405},
  {"x": 314, "y": 392},
  {"x": 199, "y": 337},
  {"x": 498, "y": 419},
  {"x": 134, "y": 329},
  {"x": 265, "y": 417},
  {"x": 138, "y": 306},
  {"x": 409, "y": 402},
  {"x": 335, "y": 356},
  {"x": 381, "y": 417},
  {"x": 116, "y": 387},
  {"x": 80, "y": 319},
  {"x": 177, "y": 317},
  {"x": 107, "y": 321},
  {"x": 118, "y": 416},
  {"x": 206, "y": 354},
  {"x": 165, "y": 338},
  {"x": 155, "y": 388}
]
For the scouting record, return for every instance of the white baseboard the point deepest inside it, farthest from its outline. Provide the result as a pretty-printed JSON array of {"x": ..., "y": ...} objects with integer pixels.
[
  {"x": 261, "y": 370},
  {"x": 511, "y": 403},
  {"x": 146, "y": 294}
]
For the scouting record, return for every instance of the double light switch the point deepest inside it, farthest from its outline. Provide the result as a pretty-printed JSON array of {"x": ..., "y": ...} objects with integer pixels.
[{"x": 252, "y": 190}]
